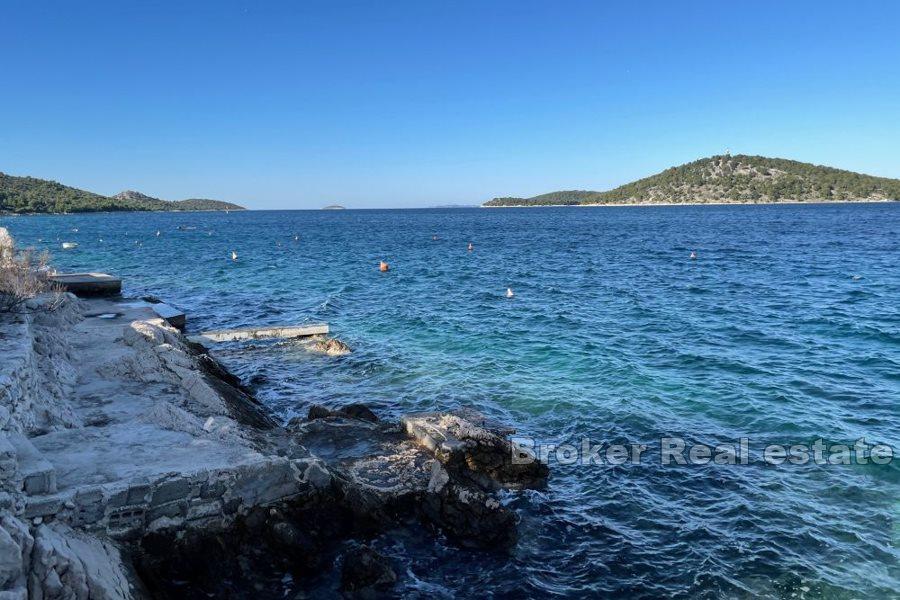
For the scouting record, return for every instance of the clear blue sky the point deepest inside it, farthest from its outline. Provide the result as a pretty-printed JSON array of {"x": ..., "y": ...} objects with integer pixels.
[{"x": 392, "y": 104}]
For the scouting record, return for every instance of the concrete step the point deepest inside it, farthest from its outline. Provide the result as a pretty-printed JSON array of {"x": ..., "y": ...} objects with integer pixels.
[{"x": 170, "y": 314}]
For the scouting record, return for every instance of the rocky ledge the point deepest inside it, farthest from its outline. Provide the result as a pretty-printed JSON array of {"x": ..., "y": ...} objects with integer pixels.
[{"x": 133, "y": 465}]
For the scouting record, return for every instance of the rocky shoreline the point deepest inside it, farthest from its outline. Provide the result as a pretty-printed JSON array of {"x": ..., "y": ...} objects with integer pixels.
[{"x": 133, "y": 465}]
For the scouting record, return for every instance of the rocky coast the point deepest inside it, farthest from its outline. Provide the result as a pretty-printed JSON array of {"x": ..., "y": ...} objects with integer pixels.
[{"x": 133, "y": 465}]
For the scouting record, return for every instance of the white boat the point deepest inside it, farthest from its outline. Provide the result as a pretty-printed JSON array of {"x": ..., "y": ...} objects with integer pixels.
[{"x": 69, "y": 245}]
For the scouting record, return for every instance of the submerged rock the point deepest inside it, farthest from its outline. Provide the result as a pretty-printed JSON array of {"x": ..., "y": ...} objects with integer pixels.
[
  {"x": 359, "y": 411},
  {"x": 471, "y": 517},
  {"x": 366, "y": 573},
  {"x": 317, "y": 411},
  {"x": 351, "y": 411},
  {"x": 331, "y": 347}
]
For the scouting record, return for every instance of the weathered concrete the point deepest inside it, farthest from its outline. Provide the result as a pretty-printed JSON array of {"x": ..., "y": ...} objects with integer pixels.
[
  {"x": 171, "y": 315},
  {"x": 112, "y": 428},
  {"x": 256, "y": 333},
  {"x": 88, "y": 284}
]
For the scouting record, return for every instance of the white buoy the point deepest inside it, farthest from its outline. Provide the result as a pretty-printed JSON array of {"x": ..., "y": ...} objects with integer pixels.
[
  {"x": 509, "y": 293},
  {"x": 157, "y": 233},
  {"x": 693, "y": 255},
  {"x": 233, "y": 255}
]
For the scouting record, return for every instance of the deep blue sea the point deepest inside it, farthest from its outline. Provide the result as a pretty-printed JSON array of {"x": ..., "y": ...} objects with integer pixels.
[{"x": 785, "y": 329}]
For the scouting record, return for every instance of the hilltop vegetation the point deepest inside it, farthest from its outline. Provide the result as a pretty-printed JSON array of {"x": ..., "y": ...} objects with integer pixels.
[
  {"x": 32, "y": 195},
  {"x": 731, "y": 179},
  {"x": 189, "y": 204}
]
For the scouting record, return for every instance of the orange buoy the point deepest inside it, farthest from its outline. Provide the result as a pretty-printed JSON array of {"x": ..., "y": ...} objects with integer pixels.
[{"x": 383, "y": 267}]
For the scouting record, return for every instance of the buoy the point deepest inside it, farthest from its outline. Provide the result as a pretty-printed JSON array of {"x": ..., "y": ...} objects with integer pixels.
[
  {"x": 383, "y": 266},
  {"x": 693, "y": 255},
  {"x": 296, "y": 238},
  {"x": 157, "y": 233},
  {"x": 509, "y": 293},
  {"x": 471, "y": 247},
  {"x": 434, "y": 238},
  {"x": 233, "y": 255}
]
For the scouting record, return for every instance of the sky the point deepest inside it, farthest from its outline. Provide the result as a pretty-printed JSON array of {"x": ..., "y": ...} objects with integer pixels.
[{"x": 290, "y": 105}]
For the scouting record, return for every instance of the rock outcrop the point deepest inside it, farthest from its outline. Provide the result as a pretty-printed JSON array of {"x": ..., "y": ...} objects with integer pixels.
[
  {"x": 330, "y": 346},
  {"x": 467, "y": 444},
  {"x": 133, "y": 464}
]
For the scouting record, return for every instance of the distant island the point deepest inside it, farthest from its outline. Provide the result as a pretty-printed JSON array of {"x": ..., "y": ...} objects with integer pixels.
[
  {"x": 727, "y": 179},
  {"x": 333, "y": 207},
  {"x": 32, "y": 195}
]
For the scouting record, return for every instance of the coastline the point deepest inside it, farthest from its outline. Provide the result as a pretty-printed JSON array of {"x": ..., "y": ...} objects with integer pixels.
[
  {"x": 128, "y": 454},
  {"x": 625, "y": 204}
]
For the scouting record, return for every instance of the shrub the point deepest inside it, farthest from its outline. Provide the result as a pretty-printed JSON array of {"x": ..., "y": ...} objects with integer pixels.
[{"x": 23, "y": 277}]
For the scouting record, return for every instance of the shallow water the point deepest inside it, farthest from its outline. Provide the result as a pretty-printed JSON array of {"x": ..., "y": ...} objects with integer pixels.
[{"x": 784, "y": 330}]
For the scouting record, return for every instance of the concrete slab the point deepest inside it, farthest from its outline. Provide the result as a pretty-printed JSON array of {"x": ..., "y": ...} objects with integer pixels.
[
  {"x": 256, "y": 333},
  {"x": 170, "y": 314},
  {"x": 88, "y": 284}
]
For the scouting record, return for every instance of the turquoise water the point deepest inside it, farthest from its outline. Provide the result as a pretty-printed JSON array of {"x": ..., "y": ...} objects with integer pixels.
[{"x": 784, "y": 330}]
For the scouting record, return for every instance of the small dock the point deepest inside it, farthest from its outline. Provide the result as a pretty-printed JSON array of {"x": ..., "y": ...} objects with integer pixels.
[
  {"x": 259, "y": 333},
  {"x": 88, "y": 284}
]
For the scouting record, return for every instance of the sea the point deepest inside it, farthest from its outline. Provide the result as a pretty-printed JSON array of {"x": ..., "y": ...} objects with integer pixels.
[{"x": 784, "y": 329}]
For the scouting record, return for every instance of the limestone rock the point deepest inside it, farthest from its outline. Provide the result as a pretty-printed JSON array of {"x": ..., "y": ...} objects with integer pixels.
[
  {"x": 473, "y": 450},
  {"x": 471, "y": 517},
  {"x": 70, "y": 564},
  {"x": 331, "y": 347},
  {"x": 16, "y": 544}
]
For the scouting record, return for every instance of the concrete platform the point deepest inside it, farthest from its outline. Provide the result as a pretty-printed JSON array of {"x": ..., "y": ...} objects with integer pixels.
[
  {"x": 257, "y": 333},
  {"x": 88, "y": 284},
  {"x": 170, "y": 314}
]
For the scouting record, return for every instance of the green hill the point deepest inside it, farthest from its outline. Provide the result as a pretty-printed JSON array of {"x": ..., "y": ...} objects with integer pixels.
[
  {"x": 189, "y": 204},
  {"x": 205, "y": 204},
  {"x": 32, "y": 195},
  {"x": 731, "y": 179}
]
